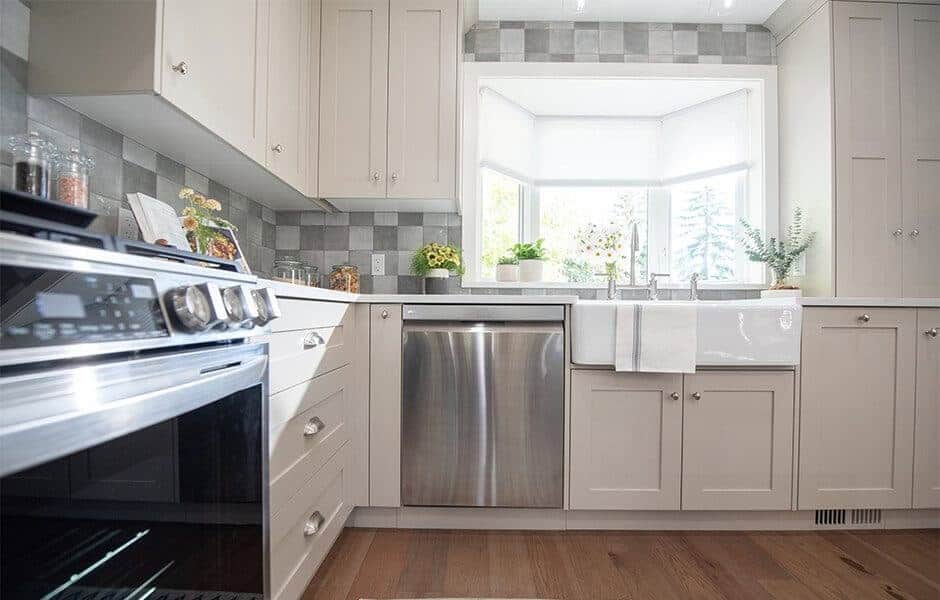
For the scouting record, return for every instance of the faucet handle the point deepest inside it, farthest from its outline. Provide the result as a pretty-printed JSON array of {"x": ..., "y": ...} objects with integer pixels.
[{"x": 654, "y": 276}]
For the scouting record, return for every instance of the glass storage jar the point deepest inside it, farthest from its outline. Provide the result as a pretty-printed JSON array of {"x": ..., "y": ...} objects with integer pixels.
[
  {"x": 291, "y": 270},
  {"x": 32, "y": 158},
  {"x": 71, "y": 182},
  {"x": 345, "y": 278},
  {"x": 313, "y": 275}
]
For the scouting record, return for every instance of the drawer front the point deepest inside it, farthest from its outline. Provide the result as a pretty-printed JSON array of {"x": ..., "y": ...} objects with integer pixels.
[
  {"x": 306, "y": 527},
  {"x": 304, "y": 314},
  {"x": 297, "y": 356},
  {"x": 302, "y": 444}
]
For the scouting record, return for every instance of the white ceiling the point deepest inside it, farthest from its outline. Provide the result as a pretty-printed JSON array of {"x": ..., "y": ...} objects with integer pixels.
[
  {"x": 609, "y": 97},
  {"x": 664, "y": 11}
]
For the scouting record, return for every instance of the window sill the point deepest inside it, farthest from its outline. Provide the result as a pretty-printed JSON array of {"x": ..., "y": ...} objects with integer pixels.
[{"x": 539, "y": 285}]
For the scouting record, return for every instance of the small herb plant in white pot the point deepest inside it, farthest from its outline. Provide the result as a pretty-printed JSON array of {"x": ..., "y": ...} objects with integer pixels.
[
  {"x": 779, "y": 255},
  {"x": 531, "y": 257},
  {"x": 507, "y": 268}
]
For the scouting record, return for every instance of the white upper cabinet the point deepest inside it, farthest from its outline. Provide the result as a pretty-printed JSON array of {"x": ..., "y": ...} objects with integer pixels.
[
  {"x": 857, "y": 408},
  {"x": 353, "y": 98},
  {"x": 737, "y": 441},
  {"x": 920, "y": 147},
  {"x": 422, "y": 99},
  {"x": 626, "y": 440},
  {"x": 868, "y": 214},
  {"x": 293, "y": 81},
  {"x": 927, "y": 430},
  {"x": 219, "y": 83}
]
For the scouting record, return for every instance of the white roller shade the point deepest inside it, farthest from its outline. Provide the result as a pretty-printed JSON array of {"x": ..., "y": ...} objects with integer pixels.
[
  {"x": 507, "y": 136},
  {"x": 707, "y": 138},
  {"x": 586, "y": 149}
]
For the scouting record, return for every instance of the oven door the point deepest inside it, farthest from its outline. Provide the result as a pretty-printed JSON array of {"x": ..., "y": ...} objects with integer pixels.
[{"x": 136, "y": 479}]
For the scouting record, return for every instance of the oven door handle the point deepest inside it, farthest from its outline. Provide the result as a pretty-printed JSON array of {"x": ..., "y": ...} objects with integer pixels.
[{"x": 90, "y": 415}]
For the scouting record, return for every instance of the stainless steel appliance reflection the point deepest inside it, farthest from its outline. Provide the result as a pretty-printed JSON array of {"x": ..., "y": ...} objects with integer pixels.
[{"x": 482, "y": 406}]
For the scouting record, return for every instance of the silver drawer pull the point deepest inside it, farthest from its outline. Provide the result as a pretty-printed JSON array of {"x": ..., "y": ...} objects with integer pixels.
[
  {"x": 313, "y": 339},
  {"x": 313, "y": 427},
  {"x": 313, "y": 524},
  {"x": 931, "y": 333},
  {"x": 384, "y": 314},
  {"x": 864, "y": 318}
]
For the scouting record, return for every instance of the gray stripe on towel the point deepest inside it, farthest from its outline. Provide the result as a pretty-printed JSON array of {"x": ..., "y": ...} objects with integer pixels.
[{"x": 637, "y": 322}]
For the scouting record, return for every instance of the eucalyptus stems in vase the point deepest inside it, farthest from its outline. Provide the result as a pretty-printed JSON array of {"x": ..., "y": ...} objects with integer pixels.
[{"x": 779, "y": 255}]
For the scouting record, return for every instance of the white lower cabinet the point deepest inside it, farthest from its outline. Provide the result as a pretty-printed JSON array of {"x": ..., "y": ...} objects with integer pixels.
[
  {"x": 626, "y": 440},
  {"x": 927, "y": 410},
  {"x": 737, "y": 441},
  {"x": 639, "y": 442}
]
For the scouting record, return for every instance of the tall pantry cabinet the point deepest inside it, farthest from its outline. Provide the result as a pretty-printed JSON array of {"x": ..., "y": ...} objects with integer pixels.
[{"x": 874, "y": 197}]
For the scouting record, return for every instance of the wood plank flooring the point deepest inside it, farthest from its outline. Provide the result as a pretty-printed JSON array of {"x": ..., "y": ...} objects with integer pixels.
[{"x": 577, "y": 565}]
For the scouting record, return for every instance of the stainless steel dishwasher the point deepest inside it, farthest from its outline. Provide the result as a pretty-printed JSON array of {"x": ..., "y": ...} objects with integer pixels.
[{"x": 482, "y": 405}]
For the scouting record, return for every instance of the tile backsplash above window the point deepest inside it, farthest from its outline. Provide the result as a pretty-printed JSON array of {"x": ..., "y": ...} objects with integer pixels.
[{"x": 579, "y": 41}]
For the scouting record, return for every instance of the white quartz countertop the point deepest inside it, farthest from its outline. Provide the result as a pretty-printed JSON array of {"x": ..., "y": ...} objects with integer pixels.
[
  {"x": 873, "y": 302},
  {"x": 289, "y": 290}
]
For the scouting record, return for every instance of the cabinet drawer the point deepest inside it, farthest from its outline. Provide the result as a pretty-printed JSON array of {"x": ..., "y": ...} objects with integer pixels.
[
  {"x": 297, "y": 356},
  {"x": 304, "y": 314},
  {"x": 302, "y": 444},
  {"x": 305, "y": 528}
]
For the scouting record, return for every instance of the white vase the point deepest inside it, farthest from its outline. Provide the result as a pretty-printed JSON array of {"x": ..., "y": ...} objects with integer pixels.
[
  {"x": 438, "y": 274},
  {"x": 785, "y": 293},
  {"x": 507, "y": 272},
  {"x": 531, "y": 270}
]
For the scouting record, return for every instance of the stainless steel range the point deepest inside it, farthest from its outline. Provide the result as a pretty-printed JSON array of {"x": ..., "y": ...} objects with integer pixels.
[{"x": 133, "y": 424}]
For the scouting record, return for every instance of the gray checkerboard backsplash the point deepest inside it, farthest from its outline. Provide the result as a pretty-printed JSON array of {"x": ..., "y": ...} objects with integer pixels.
[{"x": 592, "y": 41}]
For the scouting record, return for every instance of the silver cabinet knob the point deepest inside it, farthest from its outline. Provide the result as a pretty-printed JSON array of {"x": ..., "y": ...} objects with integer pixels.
[
  {"x": 696, "y": 395},
  {"x": 914, "y": 232},
  {"x": 313, "y": 427},
  {"x": 313, "y": 524},
  {"x": 376, "y": 176},
  {"x": 313, "y": 339},
  {"x": 181, "y": 67},
  {"x": 674, "y": 395},
  {"x": 394, "y": 176},
  {"x": 384, "y": 314},
  {"x": 931, "y": 333},
  {"x": 864, "y": 318},
  {"x": 277, "y": 148},
  {"x": 898, "y": 232}
]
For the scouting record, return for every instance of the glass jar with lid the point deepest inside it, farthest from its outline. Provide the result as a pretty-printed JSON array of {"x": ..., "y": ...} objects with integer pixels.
[
  {"x": 291, "y": 270},
  {"x": 71, "y": 185},
  {"x": 32, "y": 158},
  {"x": 345, "y": 278},
  {"x": 313, "y": 275}
]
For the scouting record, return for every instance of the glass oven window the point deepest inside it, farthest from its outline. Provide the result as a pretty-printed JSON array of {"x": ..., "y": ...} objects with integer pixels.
[{"x": 174, "y": 511}]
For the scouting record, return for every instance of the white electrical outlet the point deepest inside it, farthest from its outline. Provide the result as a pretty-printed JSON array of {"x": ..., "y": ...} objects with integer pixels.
[
  {"x": 127, "y": 224},
  {"x": 378, "y": 264}
]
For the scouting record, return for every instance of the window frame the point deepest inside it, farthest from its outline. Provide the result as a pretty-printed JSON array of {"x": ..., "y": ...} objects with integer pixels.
[{"x": 761, "y": 182}]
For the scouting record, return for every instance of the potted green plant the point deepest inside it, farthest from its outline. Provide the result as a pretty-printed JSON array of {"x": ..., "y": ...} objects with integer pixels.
[
  {"x": 779, "y": 255},
  {"x": 507, "y": 268},
  {"x": 435, "y": 262},
  {"x": 531, "y": 257}
]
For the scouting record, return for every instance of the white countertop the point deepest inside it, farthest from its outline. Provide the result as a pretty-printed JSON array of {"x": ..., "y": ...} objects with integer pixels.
[
  {"x": 289, "y": 290},
  {"x": 873, "y": 302}
]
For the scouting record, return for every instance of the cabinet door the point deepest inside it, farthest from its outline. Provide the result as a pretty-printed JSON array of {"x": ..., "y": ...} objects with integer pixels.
[
  {"x": 222, "y": 85},
  {"x": 920, "y": 147},
  {"x": 422, "y": 99},
  {"x": 353, "y": 98},
  {"x": 737, "y": 441},
  {"x": 857, "y": 408},
  {"x": 385, "y": 406},
  {"x": 927, "y": 419},
  {"x": 289, "y": 100},
  {"x": 867, "y": 149},
  {"x": 626, "y": 440}
]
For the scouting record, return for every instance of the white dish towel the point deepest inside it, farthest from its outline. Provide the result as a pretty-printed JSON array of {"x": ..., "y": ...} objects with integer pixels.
[{"x": 656, "y": 338}]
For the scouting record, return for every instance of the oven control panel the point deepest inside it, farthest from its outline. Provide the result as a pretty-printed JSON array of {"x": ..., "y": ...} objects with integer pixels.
[{"x": 42, "y": 307}]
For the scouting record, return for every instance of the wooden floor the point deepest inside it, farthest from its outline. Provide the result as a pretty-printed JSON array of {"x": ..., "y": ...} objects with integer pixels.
[{"x": 388, "y": 563}]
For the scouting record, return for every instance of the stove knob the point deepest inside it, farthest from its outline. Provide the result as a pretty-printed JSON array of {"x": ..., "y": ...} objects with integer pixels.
[
  {"x": 240, "y": 307},
  {"x": 197, "y": 307},
  {"x": 268, "y": 309}
]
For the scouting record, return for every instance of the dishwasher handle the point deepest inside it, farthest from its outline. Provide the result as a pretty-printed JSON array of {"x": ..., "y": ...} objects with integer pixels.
[{"x": 484, "y": 312}]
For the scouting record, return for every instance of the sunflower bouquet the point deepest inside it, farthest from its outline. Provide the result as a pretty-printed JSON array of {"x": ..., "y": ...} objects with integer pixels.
[
  {"x": 436, "y": 256},
  {"x": 201, "y": 225}
]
